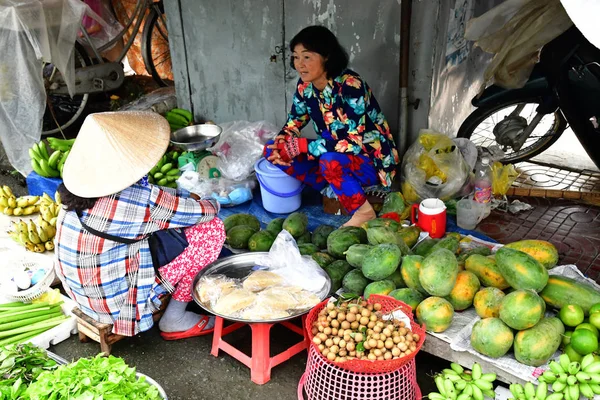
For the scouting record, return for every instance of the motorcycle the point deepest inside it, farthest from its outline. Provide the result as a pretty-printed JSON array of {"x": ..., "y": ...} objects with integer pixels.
[{"x": 563, "y": 89}]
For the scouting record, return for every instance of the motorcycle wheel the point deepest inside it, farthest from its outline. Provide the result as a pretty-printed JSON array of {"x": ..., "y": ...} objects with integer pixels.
[{"x": 478, "y": 127}]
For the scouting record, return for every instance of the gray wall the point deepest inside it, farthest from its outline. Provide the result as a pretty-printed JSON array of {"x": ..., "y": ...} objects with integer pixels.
[{"x": 222, "y": 52}]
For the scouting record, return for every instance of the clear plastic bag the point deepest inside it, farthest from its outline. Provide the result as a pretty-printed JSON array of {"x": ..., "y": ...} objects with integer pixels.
[
  {"x": 240, "y": 145},
  {"x": 100, "y": 23},
  {"x": 285, "y": 260},
  {"x": 227, "y": 192},
  {"x": 433, "y": 167}
]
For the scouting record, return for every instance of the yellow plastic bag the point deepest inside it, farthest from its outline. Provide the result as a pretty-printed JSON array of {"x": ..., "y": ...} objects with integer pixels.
[{"x": 503, "y": 177}]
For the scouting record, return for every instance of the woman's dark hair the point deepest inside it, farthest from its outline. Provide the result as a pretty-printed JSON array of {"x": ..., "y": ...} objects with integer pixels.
[
  {"x": 74, "y": 202},
  {"x": 321, "y": 40}
]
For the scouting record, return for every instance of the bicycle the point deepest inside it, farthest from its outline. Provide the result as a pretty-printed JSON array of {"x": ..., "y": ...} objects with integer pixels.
[{"x": 93, "y": 74}]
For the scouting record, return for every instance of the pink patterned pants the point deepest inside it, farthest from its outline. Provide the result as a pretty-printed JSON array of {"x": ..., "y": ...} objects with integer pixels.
[{"x": 205, "y": 244}]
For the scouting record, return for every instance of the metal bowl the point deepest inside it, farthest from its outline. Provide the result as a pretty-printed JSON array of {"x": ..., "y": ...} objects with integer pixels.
[
  {"x": 238, "y": 267},
  {"x": 196, "y": 137}
]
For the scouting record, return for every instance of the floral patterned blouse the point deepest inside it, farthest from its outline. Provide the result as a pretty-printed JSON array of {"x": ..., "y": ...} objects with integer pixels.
[{"x": 347, "y": 119}]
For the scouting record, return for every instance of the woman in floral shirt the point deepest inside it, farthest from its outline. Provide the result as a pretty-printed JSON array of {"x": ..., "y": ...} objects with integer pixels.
[{"x": 354, "y": 147}]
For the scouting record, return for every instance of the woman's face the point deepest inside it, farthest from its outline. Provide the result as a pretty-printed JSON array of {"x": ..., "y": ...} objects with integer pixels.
[{"x": 310, "y": 65}]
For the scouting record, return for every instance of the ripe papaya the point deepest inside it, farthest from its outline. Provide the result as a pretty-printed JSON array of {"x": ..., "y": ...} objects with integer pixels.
[
  {"x": 491, "y": 337},
  {"x": 561, "y": 291},
  {"x": 383, "y": 287},
  {"x": 409, "y": 235},
  {"x": 486, "y": 270},
  {"x": 438, "y": 272},
  {"x": 463, "y": 292},
  {"x": 544, "y": 252},
  {"x": 535, "y": 346},
  {"x": 296, "y": 224},
  {"x": 410, "y": 268},
  {"x": 522, "y": 309},
  {"x": 487, "y": 302},
  {"x": 520, "y": 270},
  {"x": 435, "y": 313}
]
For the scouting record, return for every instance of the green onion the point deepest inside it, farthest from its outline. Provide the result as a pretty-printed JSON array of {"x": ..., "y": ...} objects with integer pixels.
[
  {"x": 22, "y": 307},
  {"x": 13, "y": 304},
  {"x": 38, "y": 325},
  {"x": 22, "y": 337},
  {"x": 17, "y": 316},
  {"x": 28, "y": 321}
]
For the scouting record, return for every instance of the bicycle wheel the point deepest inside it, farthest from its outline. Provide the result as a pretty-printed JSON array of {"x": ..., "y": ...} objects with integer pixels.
[
  {"x": 65, "y": 110},
  {"x": 155, "y": 28},
  {"x": 479, "y": 126}
]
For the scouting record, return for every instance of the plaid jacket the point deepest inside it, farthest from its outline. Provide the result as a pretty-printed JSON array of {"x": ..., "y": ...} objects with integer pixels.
[{"x": 113, "y": 282}]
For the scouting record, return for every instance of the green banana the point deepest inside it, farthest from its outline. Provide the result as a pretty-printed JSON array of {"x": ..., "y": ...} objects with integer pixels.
[
  {"x": 587, "y": 360},
  {"x": 435, "y": 396},
  {"x": 529, "y": 391},
  {"x": 477, "y": 393},
  {"x": 439, "y": 383},
  {"x": 571, "y": 380},
  {"x": 549, "y": 376},
  {"x": 463, "y": 396},
  {"x": 450, "y": 390},
  {"x": 162, "y": 182},
  {"x": 595, "y": 378},
  {"x": 49, "y": 171},
  {"x": 184, "y": 113},
  {"x": 574, "y": 392},
  {"x": 173, "y": 172},
  {"x": 583, "y": 377},
  {"x": 177, "y": 119},
  {"x": 60, "y": 144},
  {"x": 564, "y": 362},
  {"x": 174, "y": 155},
  {"x": 176, "y": 127},
  {"x": 36, "y": 167},
  {"x": 562, "y": 378},
  {"x": 476, "y": 371},
  {"x": 42, "y": 150},
  {"x": 54, "y": 158},
  {"x": 592, "y": 368},
  {"x": 166, "y": 167},
  {"x": 33, "y": 153},
  {"x": 595, "y": 388},
  {"x": 586, "y": 390},
  {"x": 490, "y": 377},
  {"x": 460, "y": 385},
  {"x": 158, "y": 175},
  {"x": 555, "y": 396},
  {"x": 542, "y": 391},
  {"x": 555, "y": 367},
  {"x": 558, "y": 386},
  {"x": 468, "y": 389},
  {"x": 63, "y": 159},
  {"x": 574, "y": 367},
  {"x": 483, "y": 385}
]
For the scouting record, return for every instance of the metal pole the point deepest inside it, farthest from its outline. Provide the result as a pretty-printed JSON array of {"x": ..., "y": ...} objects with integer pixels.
[{"x": 405, "y": 16}]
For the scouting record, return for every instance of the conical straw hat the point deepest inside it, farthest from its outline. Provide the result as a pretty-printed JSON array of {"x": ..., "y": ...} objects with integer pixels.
[{"x": 114, "y": 150}]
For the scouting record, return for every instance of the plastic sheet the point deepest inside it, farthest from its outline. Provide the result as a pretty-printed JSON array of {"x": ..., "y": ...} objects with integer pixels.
[
  {"x": 433, "y": 167},
  {"x": 240, "y": 145},
  {"x": 32, "y": 31},
  {"x": 227, "y": 192}
]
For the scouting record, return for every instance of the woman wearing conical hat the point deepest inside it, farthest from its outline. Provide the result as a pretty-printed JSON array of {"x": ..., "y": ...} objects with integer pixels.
[{"x": 104, "y": 257}]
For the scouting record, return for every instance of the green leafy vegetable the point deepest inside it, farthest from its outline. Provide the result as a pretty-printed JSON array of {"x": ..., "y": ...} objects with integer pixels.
[
  {"x": 106, "y": 378},
  {"x": 19, "y": 365}
]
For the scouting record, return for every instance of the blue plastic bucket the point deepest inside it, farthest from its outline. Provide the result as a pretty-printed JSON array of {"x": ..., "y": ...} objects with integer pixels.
[{"x": 281, "y": 193}]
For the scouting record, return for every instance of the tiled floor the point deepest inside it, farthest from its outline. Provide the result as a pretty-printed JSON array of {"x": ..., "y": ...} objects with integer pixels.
[
  {"x": 547, "y": 177},
  {"x": 574, "y": 228}
]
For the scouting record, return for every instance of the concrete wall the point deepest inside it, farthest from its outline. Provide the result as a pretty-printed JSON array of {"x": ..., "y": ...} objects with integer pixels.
[{"x": 231, "y": 60}]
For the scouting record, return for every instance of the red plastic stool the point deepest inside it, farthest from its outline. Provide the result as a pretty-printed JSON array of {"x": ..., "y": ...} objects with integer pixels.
[{"x": 261, "y": 362}]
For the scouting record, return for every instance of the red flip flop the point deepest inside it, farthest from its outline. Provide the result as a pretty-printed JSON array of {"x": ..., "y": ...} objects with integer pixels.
[{"x": 196, "y": 330}]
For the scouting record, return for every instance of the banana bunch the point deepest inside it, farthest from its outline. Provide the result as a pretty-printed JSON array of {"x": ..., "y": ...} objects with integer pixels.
[
  {"x": 49, "y": 208},
  {"x": 35, "y": 237},
  {"x": 455, "y": 383},
  {"x": 166, "y": 172},
  {"x": 568, "y": 380},
  {"x": 12, "y": 205},
  {"x": 179, "y": 118},
  {"x": 50, "y": 165}
]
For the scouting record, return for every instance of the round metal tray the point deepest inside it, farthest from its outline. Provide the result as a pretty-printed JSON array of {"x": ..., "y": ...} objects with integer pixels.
[
  {"x": 196, "y": 137},
  {"x": 239, "y": 266}
]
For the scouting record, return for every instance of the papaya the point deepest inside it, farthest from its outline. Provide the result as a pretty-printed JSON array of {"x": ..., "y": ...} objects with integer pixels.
[
  {"x": 491, "y": 337},
  {"x": 320, "y": 234},
  {"x": 422, "y": 249},
  {"x": 520, "y": 270},
  {"x": 241, "y": 219},
  {"x": 535, "y": 346},
  {"x": 239, "y": 235},
  {"x": 486, "y": 270},
  {"x": 435, "y": 313},
  {"x": 396, "y": 277},
  {"x": 409, "y": 296},
  {"x": 448, "y": 243},
  {"x": 355, "y": 282},
  {"x": 339, "y": 241},
  {"x": 463, "y": 292},
  {"x": 381, "y": 261},
  {"x": 481, "y": 250},
  {"x": 356, "y": 253},
  {"x": 323, "y": 259},
  {"x": 544, "y": 252},
  {"x": 393, "y": 202},
  {"x": 305, "y": 238},
  {"x": 275, "y": 226},
  {"x": 296, "y": 224},
  {"x": 336, "y": 271},
  {"x": 384, "y": 234},
  {"x": 410, "y": 267},
  {"x": 561, "y": 291},
  {"x": 383, "y": 287},
  {"x": 409, "y": 235},
  {"x": 307, "y": 249},
  {"x": 357, "y": 231},
  {"x": 378, "y": 222},
  {"x": 487, "y": 302},
  {"x": 521, "y": 309},
  {"x": 438, "y": 272},
  {"x": 261, "y": 241},
  {"x": 454, "y": 235}
]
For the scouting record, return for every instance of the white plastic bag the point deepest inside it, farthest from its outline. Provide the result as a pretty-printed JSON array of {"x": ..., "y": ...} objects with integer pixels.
[
  {"x": 240, "y": 145},
  {"x": 515, "y": 32},
  {"x": 285, "y": 259}
]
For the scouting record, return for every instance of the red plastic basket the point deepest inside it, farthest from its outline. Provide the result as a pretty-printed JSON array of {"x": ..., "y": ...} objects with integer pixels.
[
  {"x": 326, "y": 381},
  {"x": 388, "y": 304}
]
